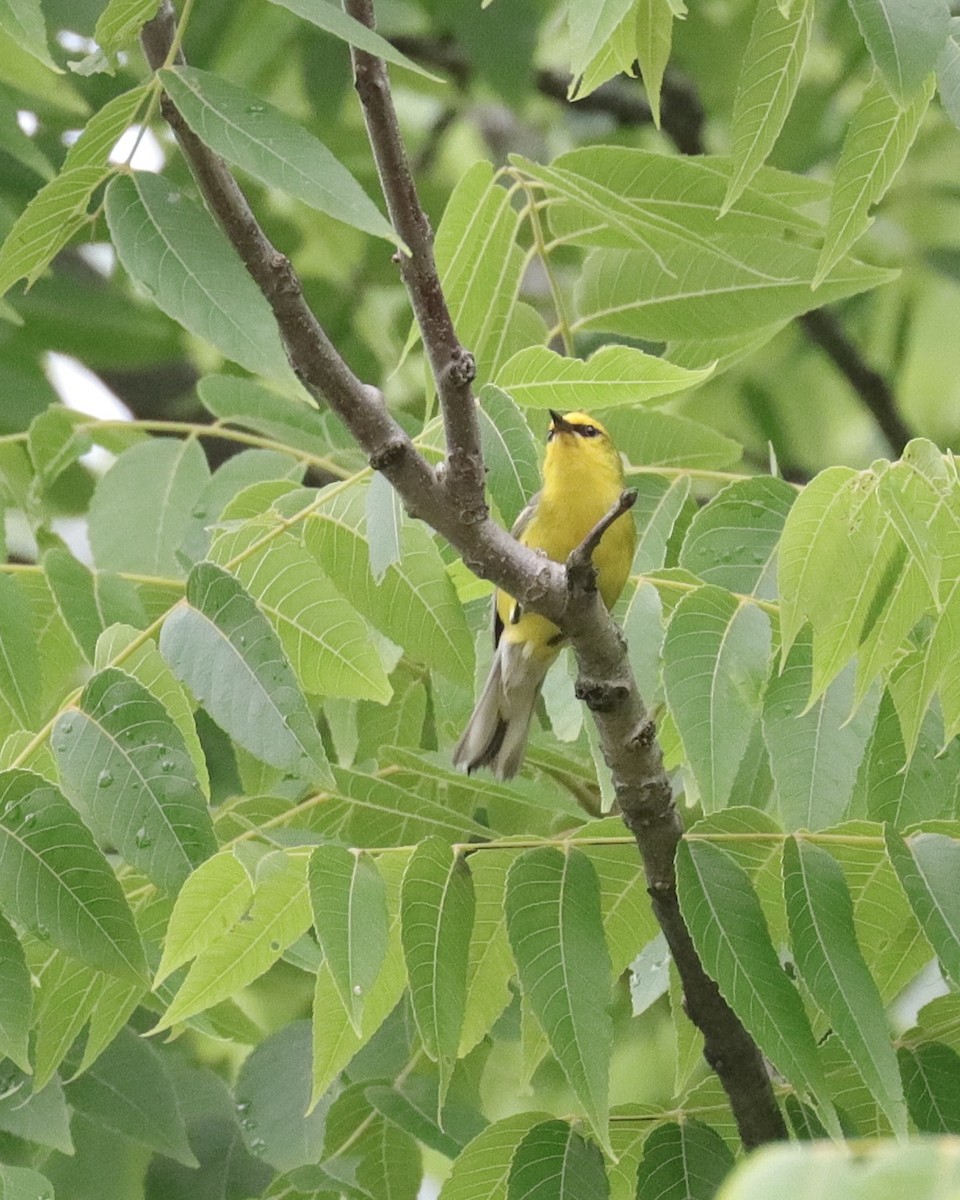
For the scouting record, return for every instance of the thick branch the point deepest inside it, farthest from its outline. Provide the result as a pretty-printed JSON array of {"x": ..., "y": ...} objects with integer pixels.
[
  {"x": 452, "y": 366},
  {"x": 569, "y": 599}
]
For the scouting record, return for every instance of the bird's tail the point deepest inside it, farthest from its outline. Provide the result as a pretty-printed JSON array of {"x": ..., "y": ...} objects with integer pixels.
[{"x": 496, "y": 734}]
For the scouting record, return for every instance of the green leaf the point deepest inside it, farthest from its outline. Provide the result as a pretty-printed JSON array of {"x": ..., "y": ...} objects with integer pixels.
[
  {"x": 591, "y": 25},
  {"x": 120, "y": 22},
  {"x": 59, "y": 209},
  {"x": 489, "y": 961},
  {"x": 263, "y": 141},
  {"x": 768, "y": 81},
  {"x": 23, "y": 21},
  {"x": 416, "y": 605},
  {"x": 820, "y": 914},
  {"x": 904, "y": 40},
  {"x": 55, "y": 881},
  {"x": 553, "y": 1162},
  {"x": 210, "y": 903},
  {"x": 481, "y": 267},
  {"x": 222, "y": 647},
  {"x": 716, "y": 658},
  {"x": 128, "y": 1091},
  {"x": 277, "y": 916},
  {"x": 687, "y": 291},
  {"x": 16, "y": 998},
  {"x": 142, "y": 507},
  {"x": 291, "y": 422},
  {"x": 19, "y": 661},
  {"x": 483, "y": 1168},
  {"x": 948, "y": 73},
  {"x": 653, "y": 36},
  {"x": 556, "y": 933},
  {"x": 683, "y": 1162},
  {"x": 34, "y": 1114},
  {"x": 56, "y": 439},
  {"x": 510, "y": 452},
  {"x": 815, "y": 750},
  {"x": 874, "y": 149},
  {"x": 930, "y": 1074},
  {"x": 926, "y": 865},
  {"x": 89, "y": 601},
  {"x": 384, "y": 516},
  {"x": 539, "y": 378},
  {"x": 125, "y": 766},
  {"x": 436, "y": 911},
  {"x": 349, "y": 903},
  {"x": 23, "y": 1183},
  {"x": 273, "y": 1118},
  {"x": 331, "y": 20},
  {"x": 658, "y": 508},
  {"x": 651, "y": 438},
  {"x": 156, "y": 231},
  {"x": 732, "y": 541},
  {"x": 335, "y": 1042},
  {"x": 327, "y": 643},
  {"x": 144, "y": 662},
  {"x": 359, "y": 1143},
  {"x": 731, "y": 936}
]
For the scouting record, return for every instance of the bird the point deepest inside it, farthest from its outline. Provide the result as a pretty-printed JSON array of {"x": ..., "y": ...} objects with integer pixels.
[{"x": 582, "y": 480}]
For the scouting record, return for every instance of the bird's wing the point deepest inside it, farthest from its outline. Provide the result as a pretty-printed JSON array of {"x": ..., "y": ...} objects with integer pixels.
[{"x": 519, "y": 525}]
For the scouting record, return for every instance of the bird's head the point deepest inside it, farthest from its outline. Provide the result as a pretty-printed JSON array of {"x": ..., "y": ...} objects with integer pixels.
[{"x": 577, "y": 440}]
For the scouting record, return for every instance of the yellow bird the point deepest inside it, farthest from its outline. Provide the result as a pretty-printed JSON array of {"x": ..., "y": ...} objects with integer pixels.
[{"x": 582, "y": 480}]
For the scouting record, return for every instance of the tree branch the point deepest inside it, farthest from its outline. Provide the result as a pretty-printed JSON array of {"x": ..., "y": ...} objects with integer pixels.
[{"x": 572, "y": 602}]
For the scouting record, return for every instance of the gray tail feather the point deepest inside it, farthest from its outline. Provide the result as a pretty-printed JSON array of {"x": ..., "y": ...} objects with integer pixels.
[{"x": 496, "y": 734}]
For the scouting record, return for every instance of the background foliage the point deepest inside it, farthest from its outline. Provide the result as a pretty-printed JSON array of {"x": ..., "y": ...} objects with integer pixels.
[{"x": 232, "y": 669}]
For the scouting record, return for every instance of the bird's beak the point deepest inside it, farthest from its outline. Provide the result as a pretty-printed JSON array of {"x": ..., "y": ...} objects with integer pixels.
[{"x": 559, "y": 424}]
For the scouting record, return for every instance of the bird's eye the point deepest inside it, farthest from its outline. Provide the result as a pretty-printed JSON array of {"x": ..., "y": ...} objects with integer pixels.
[{"x": 588, "y": 430}]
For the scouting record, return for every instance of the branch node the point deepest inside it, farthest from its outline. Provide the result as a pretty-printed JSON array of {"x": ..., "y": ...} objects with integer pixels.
[
  {"x": 645, "y": 735},
  {"x": 462, "y": 368},
  {"x": 387, "y": 455},
  {"x": 601, "y": 695}
]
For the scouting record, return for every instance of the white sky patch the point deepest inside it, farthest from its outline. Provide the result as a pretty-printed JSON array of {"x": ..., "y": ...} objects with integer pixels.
[
  {"x": 76, "y": 43},
  {"x": 28, "y": 121},
  {"x": 148, "y": 155},
  {"x": 99, "y": 255},
  {"x": 84, "y": 392}
]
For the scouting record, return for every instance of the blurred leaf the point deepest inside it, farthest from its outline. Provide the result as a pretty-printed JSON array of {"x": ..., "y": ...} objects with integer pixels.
[
  {"x": 23, "y": 21},
  {"x": 274, "y": 1119},
  {"x": 437, "y": 909},
  {"x": 221, "y": 646},
  {"x": 555, "y": 1161},
  {"x": 948, "y": 73},
  {"x": 651, "y": 438},
  {"x": 263, "y": 141},
  {"x": 349, "y": 903},
  {"x": 555, "y": 929},
  {"x": 23, "y": 1183},
  {"x": 904, "y": 41},
  {"x": 120, "y": 22},
  {"x": 56, "y": 883},
  {"x": 728, "y": 929},
  {"x": 156, "y": 231},
  {"x": 125, "y": 766},
  {"x": 89, "y": 601},
  {"x": 128, "y": 1091},
  {"x": 831, "y": 966},
  {"x": 683, "y": 1162},
  {"x": 19, "y": 661},
  {"x": 716, "y": 657},
  {"x": 38, "y": 1115}
]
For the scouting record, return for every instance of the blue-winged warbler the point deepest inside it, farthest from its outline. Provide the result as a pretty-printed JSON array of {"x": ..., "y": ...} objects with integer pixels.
[{"x": 582, "y": 480}]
